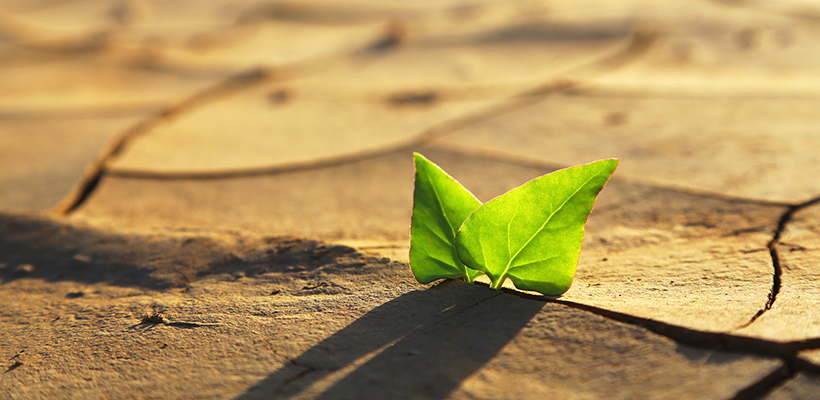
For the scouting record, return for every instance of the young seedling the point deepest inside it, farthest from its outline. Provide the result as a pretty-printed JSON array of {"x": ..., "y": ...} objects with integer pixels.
[{"x": 531, "y": 234}]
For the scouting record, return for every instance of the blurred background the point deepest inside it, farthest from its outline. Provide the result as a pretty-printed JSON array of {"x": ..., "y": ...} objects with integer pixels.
[{"x": 298, "y": 117}]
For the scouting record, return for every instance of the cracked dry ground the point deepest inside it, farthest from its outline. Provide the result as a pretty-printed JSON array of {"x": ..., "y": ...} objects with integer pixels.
[{"x": 212, "y": 199}]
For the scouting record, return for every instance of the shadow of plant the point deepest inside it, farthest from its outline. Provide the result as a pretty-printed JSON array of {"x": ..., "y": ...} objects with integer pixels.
[{"x": 420, "y": 345}]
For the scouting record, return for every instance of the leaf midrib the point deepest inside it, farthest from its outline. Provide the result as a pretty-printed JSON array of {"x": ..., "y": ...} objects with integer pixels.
[
  {"x": 509, "y": 263},
  {"x": 444, "y": 213}
]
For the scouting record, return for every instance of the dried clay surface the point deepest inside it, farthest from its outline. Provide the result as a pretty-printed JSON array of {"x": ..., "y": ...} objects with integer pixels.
[
  {"x": 269, "y": 316},
  {"x": 213, "y": 199}
]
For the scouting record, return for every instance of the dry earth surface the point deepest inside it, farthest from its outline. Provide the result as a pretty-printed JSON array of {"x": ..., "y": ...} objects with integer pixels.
[{"x": 212, "y": 199}]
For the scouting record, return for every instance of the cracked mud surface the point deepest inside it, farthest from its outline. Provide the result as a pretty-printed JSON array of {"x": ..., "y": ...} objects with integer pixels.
[{"x": 213, "y": 200}]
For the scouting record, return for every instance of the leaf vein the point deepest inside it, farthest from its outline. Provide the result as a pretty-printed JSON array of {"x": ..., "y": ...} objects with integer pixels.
[
  {"x": 436, "y": 233},
  {"x": 509, "y": 264},
  {"x": 441, "y": 207},
  {"x": 536, "y": 261}
]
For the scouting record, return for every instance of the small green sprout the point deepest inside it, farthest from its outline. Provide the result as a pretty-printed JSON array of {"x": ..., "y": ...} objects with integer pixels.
[{"x": 531, "y": 234}]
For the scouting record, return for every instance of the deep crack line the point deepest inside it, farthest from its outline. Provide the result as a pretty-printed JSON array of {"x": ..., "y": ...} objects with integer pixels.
[
  {"x": 459, "y": 312},
  {"x": 98, "y": 169},
  {"x": 288, "y": 381},
  {"x": 777, "y": 274},
  {"x": 335, "y": 375},
  {"x": 787, "y": 352},
  {"x": 240, "y": 81},
  {"x": 688, "y": 336}
]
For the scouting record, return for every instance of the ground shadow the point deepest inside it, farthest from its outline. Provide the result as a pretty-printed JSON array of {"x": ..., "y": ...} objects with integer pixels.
[
  {"x": 423, "y": 344},
  {"x": 40, "y": 247},
  {"x": 54, "y": 250}
]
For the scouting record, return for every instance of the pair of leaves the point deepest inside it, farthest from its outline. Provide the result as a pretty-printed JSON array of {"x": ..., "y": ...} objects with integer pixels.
[{"x": 531, "y": 234}]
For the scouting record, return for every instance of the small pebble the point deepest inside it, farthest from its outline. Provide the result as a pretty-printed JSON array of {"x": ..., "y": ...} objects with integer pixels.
[
  {"x": 23, "y": 270},
  {"x": 153, "y": 318}
]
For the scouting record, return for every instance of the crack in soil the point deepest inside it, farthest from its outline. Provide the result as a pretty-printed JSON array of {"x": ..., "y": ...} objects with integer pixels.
[
  {"x": 98, "y": 169},
  {"x": 232, "y": 84},
  {"x": 640, "y": 42},
  {"x": 459, "y": 312},
  {"x": 776, "y": 264},
  {"x": 309, "y": 368},
  {"x": 286, "y": 382},
  {"x": 787, "y": 352}
]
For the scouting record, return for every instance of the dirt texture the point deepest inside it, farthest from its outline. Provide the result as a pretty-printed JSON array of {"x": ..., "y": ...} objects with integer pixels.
[{"x": 212, "y": 199}]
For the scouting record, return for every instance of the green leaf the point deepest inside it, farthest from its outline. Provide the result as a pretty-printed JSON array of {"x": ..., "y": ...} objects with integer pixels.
[
  {"x": 440, "y": 206},
  {"x": 533, "y": 233}
]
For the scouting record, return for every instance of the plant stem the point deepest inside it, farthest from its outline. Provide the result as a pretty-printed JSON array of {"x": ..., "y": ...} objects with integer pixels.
[{"x": 496, "y": 283}]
